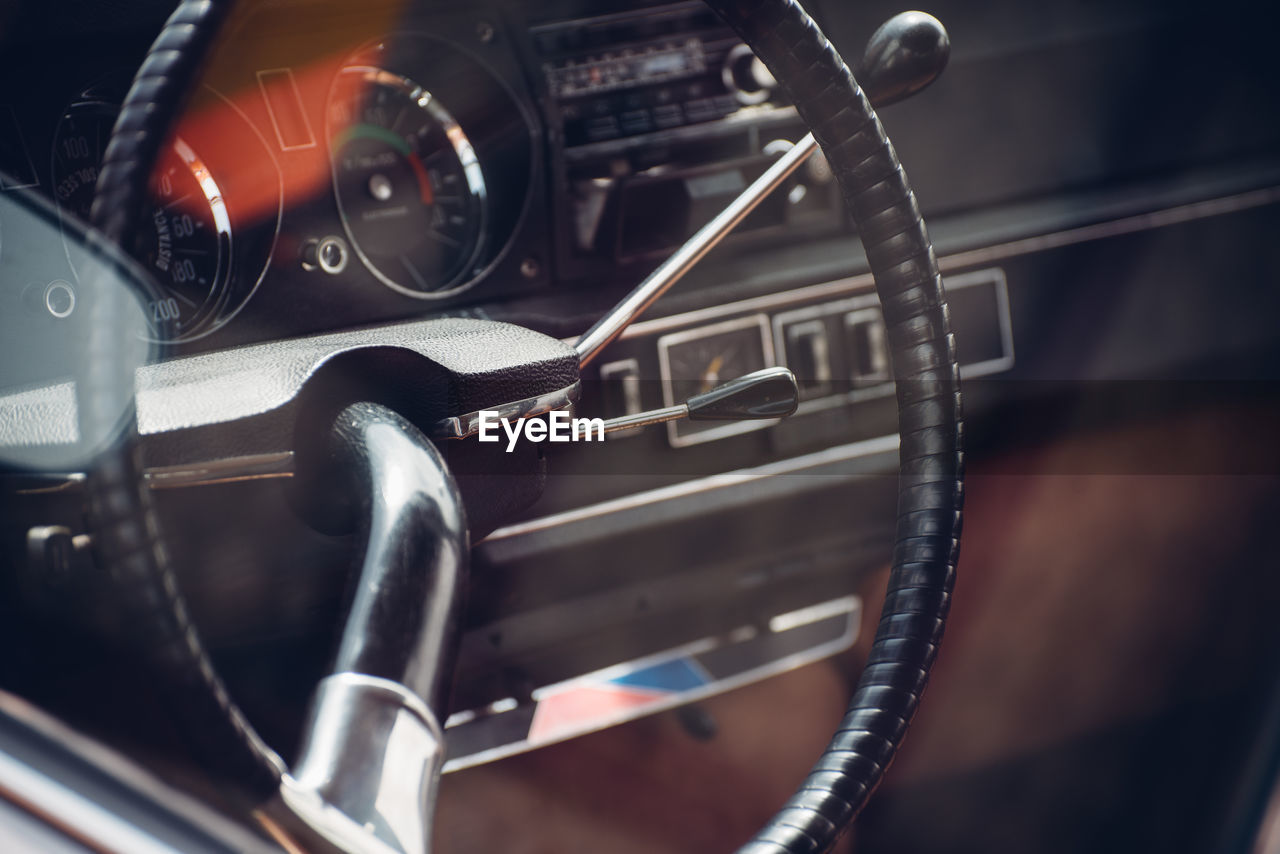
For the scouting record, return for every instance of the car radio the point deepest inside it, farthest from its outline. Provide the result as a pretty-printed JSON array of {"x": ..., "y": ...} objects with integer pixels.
[
  {"x": 633, "y": 73},
  {"x": 659, "y": 117}
]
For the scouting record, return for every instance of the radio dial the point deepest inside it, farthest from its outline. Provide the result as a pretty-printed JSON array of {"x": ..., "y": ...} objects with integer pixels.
[{"x": 747, "y": 77}]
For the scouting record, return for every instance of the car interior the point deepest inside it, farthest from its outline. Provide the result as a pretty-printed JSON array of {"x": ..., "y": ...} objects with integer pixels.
[{"x": 590, "y": 425}]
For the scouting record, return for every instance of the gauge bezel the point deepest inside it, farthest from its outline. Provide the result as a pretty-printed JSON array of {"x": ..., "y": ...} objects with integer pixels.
[
  {"x": 225, "y": 301},
  {"x": 462, "y": 149},
  {"x": 237, "y": 265},
  {"x": 97, "y": 108},
  {"x": 707, "y": 432},
  {"x": 219, "y": 293},
  {"x": 403, "y": 54}
]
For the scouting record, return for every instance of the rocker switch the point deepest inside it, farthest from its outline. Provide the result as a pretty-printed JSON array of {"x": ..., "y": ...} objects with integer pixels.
[
  {"x": 865, "y": 351},
  {"x": 621, "y": 390},
  {"x": 809, "y": 356}
]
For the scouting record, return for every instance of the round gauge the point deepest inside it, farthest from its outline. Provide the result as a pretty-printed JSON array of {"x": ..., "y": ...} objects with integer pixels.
[
  {"x": 186, "y": 241},
  {"x": 696, "y": 361},
  {"x": 78, "y": 144},
  {"x": 409, "y": 186},
  {"x": 185, "y": 236}
]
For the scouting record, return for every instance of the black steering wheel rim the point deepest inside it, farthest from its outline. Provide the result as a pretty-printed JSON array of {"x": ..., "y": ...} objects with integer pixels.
[{"x": 127, "y": 540}]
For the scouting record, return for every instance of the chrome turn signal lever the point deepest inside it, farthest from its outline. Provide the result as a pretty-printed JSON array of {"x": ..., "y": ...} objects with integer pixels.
[{"x": 767, "y": 393}]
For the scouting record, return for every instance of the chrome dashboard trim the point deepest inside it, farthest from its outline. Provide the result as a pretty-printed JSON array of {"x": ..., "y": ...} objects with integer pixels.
[
  {"x": 252, "y": 467},
  {"x": 281, "y": 465},
  {"x": 218, "y": 321},
  {"x": 87, "y": 820},
  {"x": 468, "y": 424},
  {"x": 794, "y": 465},
  {"x": 56, "y": 804},
  {"x": 842, "y": 287},
  {"x": 1115, "y": 227},
  {"x": 847, "y": 607},
  {"x": 959, "y": 260}
]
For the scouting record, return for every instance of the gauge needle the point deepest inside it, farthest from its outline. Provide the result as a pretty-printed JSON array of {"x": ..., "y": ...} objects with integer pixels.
[
  {"x": 442, "y": 238},
  {"x": 711, "y": 377},
  {"x": 413, "y": 271},
  {"x": 424, "y": 182}
]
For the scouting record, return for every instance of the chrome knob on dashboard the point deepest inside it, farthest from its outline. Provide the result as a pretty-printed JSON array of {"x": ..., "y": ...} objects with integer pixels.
[{"x": 746, "y": 76}]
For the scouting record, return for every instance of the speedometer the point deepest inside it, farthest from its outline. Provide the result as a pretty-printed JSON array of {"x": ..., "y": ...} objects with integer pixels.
[
  {"x": 185, "y": 238},
  {"x": 408, "y": 183}
]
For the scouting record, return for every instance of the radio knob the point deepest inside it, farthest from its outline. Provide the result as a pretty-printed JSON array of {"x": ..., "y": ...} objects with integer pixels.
[{"x": 746, "y": 76}]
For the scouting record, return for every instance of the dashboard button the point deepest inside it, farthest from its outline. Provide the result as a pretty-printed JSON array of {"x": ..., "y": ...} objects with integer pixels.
[
  {"x": 866, "y": 356},
  {"x": 602, "y": 128},
  {"x": 636, "y": 121},
  {"x": 808, "y": 355},
  {"x": 701, "y": 110},
  {"x": 668, "y": 116},
  {"x": 620, "y": 383}
]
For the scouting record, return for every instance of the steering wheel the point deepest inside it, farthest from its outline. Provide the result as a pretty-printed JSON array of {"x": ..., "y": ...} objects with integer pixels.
[{"x": 128, "y": 544}]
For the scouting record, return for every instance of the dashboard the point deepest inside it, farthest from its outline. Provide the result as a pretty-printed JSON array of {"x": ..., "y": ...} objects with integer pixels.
[
  {"x": 327, "y": 188},
  {"x": 345, "y": 167},
  {"x": 369, "y": 167},
  {"x": 338, "y": 169}
]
